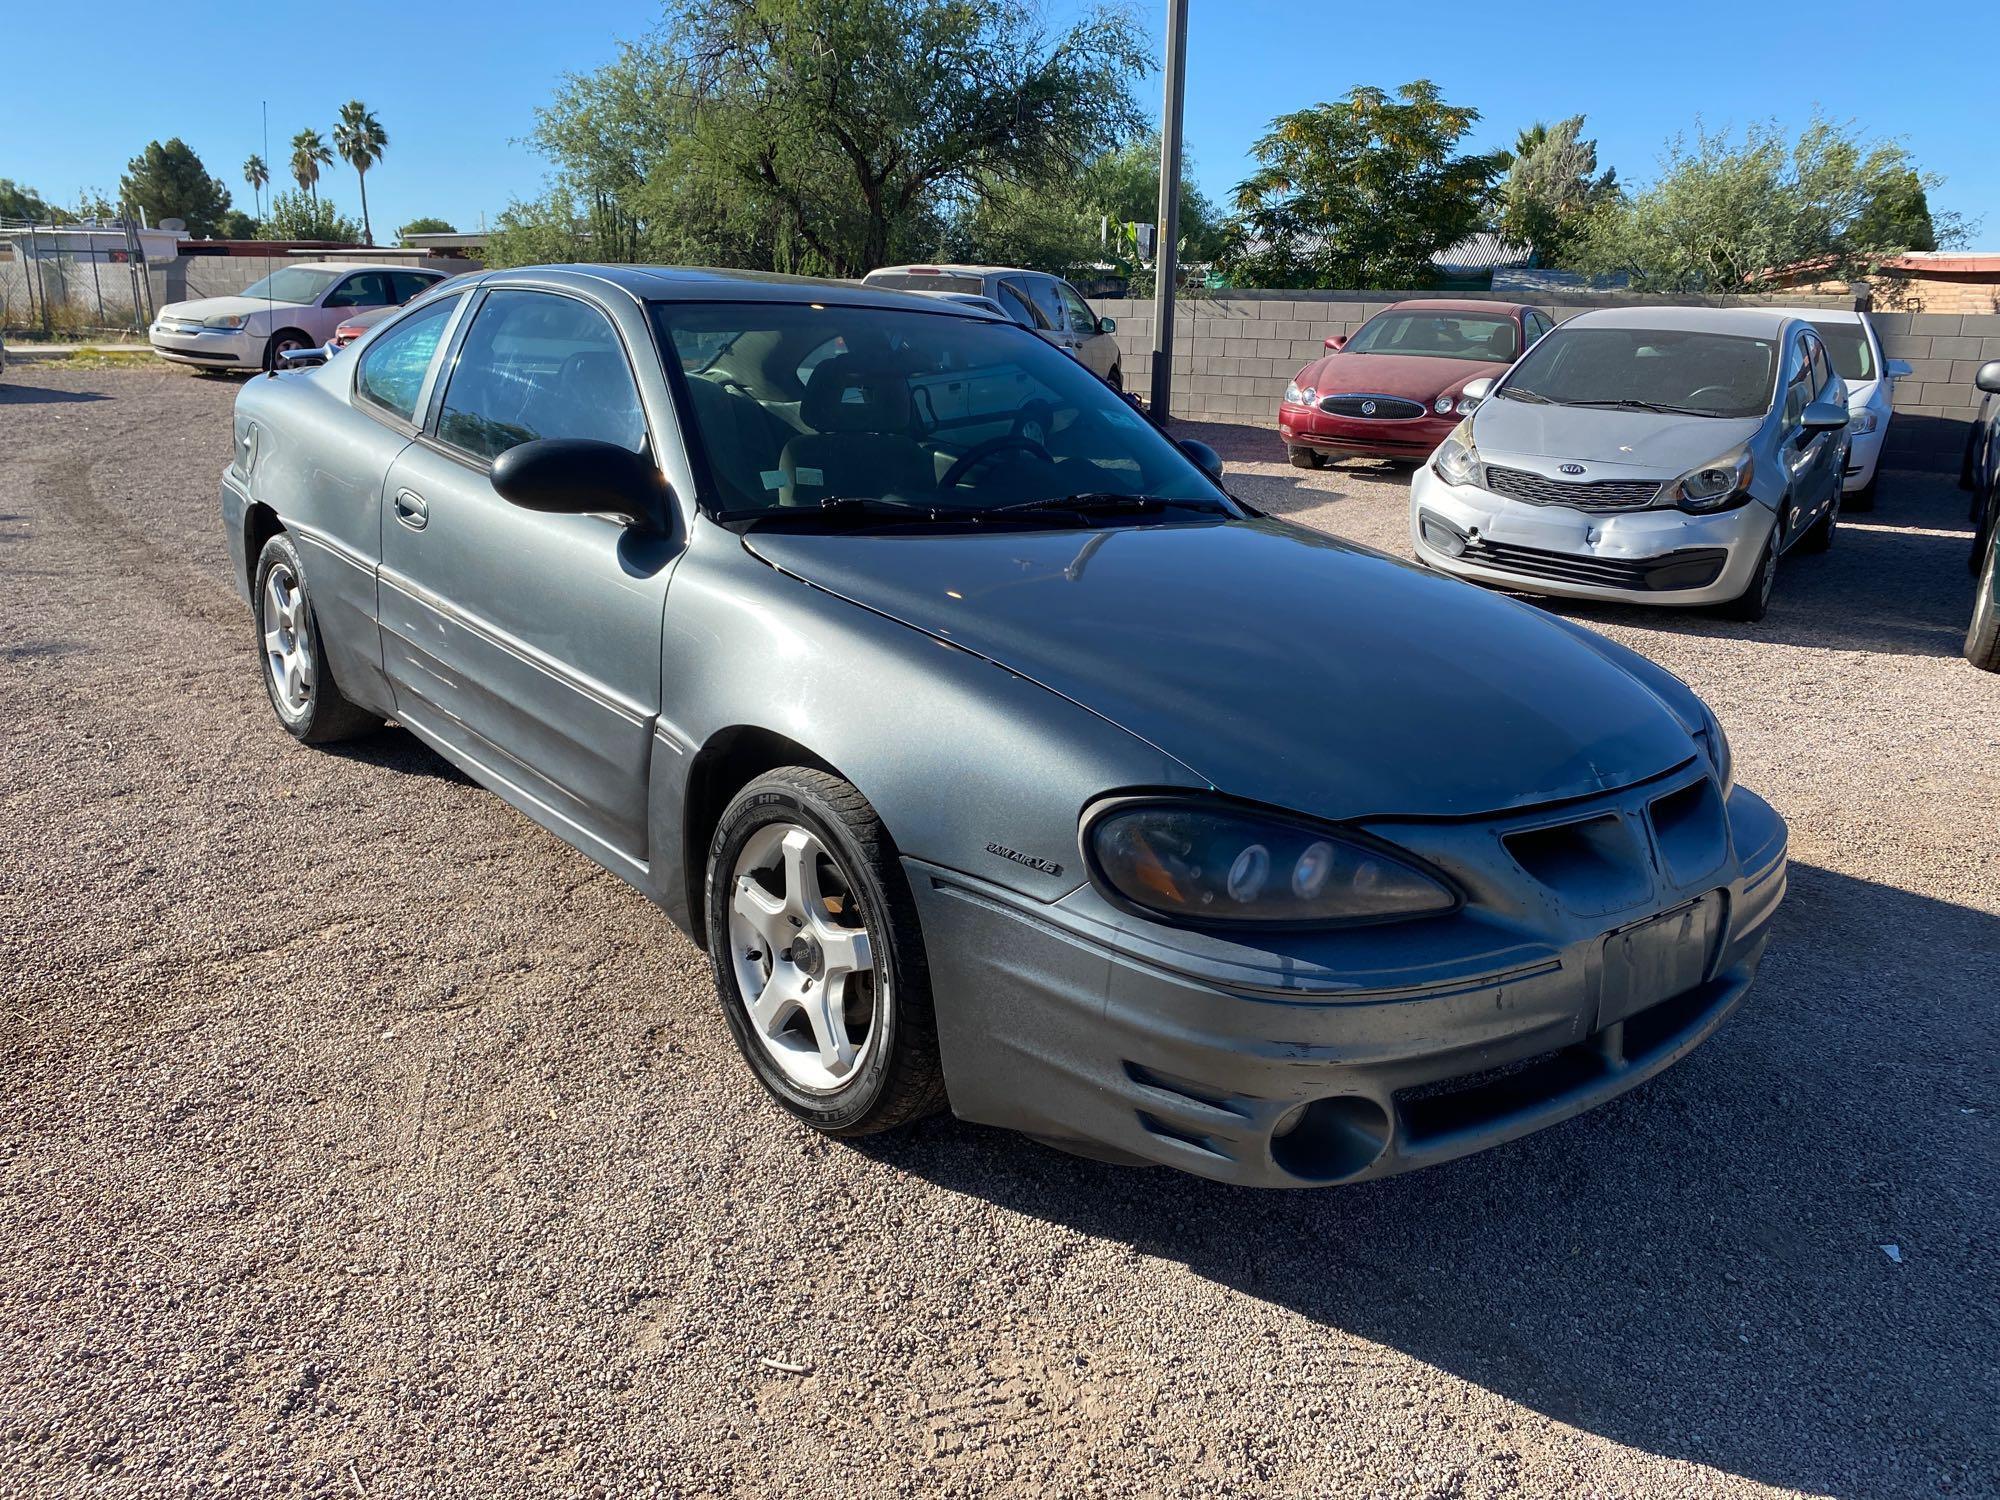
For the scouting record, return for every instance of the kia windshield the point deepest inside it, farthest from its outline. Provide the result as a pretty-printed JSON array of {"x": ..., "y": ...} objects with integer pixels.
[
  {"x": 1648, "y": 369},
  {"x": 832, "y": 414}
]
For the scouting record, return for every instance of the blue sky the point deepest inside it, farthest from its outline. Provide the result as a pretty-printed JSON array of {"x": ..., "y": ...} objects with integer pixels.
[{"x": 457, "y": 89}]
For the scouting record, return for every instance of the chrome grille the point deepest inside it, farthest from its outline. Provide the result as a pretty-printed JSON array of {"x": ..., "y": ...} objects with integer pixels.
[
  {"x": 1602, "y": 495},
  {"x": 1379, "y": 408}
]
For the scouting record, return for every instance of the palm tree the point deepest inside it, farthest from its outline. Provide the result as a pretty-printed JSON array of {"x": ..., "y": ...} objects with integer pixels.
[
  {"x": 257, "y": 175},
  {"x": 309, "y": 154},
  {"x": 361, "y": 140}
]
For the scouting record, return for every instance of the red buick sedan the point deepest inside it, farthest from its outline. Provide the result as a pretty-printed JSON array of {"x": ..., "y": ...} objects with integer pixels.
[{"x": 1391, "y": 389}]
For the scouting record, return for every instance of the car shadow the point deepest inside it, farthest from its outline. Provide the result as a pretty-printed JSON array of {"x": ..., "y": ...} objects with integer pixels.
[
  {"x": 394, "y": 748},
  {"x": 13, "y": 393},
  {"x": 1697, "y": 1269}
]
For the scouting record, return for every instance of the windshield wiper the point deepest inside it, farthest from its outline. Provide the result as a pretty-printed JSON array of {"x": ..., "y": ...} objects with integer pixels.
[
  {"x": 1535, "y": 398},
  {"x": 844, "y": 508},
  {"x": 1628, "y": 403},
  {"x": 1109, "y": 503}
]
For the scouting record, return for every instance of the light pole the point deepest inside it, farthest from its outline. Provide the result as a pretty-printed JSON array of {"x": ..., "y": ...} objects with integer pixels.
[{"x": 1167, "y": 227}]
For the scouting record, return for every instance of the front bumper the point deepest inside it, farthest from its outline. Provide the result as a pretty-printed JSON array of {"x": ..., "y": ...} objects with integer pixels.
[
  {"x": 1864, "y": 453},
  {"x": 1367, "y": 437},
  {"x": 216, "y": 348},
  {"x": 1631, "y": 557},
  {"x": 1393, "y": 1047}
]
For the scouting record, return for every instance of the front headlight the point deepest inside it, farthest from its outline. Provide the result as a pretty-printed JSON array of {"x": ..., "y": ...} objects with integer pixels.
[
  {"x": 1457, "y": 460},
  {"x": 1715, "y": 745},
  {"x": 1294, "y": 396},
  {"x": 1719, "y": 485},
  {"x": 1199, "y": 864},
  {"x": 1442, "y": 406},
  {"x": 231, "y": 320},
  {"x": 1865, "y": 420}
]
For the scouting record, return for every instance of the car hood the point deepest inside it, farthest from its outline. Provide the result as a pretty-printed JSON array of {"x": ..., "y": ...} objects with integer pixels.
[
  {"x": 1278, "y": 664},
  {"x": 1660, "y": 441},
  {"x": 1860, "y": 393},
  {"x": 218, "y": 307},
  {"x": 1409, "y": 375}
]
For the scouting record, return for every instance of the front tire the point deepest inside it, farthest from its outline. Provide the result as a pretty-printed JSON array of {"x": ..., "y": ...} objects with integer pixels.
[
  {"x": 308, "y": 702},
  {"x": 818, "y": 958},
  {"x": 1863, "y": 499},
  {"x": 1755, "y": 600},
  {"x": 1982, "y": 636},
  {"x": 1307, "y": 458},
  {"x": 281, "y": 343}
]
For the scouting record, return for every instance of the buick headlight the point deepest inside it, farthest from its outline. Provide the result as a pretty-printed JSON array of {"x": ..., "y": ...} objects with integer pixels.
[
  {"x": 1457, "y": 460},
  {"x": 1294, "y": 396},
  {"x": 1200, "y": 864},
  {"x": 232, "y": 320},
  {"x": 1715, "y": 745},
  {"x": 1719, "y": 485}
]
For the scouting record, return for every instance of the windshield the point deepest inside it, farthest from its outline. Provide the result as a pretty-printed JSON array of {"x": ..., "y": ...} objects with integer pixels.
[
  {"x": 300, "y": 284},
  {"x": 1704, "y": 374},
  {"x": 802, "y": 409},
  {"x": 1848, "y": 344},
  {"x": 1487, "y": 337}
]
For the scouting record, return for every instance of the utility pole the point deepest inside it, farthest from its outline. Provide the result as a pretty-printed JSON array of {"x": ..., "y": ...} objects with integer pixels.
[{"x": 1167, "y": 233}]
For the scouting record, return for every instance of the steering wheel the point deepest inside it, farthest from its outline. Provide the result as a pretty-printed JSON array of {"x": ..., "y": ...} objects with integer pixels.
[
  {"x": 985, "y": 452},
  {"x": 1725, "y": 392}
]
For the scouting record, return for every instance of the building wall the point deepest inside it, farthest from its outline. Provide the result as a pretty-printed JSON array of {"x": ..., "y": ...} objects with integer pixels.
[{"x": 1234, "y": 352}]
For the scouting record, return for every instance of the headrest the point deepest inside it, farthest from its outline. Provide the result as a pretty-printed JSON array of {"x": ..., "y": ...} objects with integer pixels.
[{"x": 846, "y": 395}]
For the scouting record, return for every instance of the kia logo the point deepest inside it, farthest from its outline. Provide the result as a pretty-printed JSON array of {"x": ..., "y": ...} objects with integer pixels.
[{"x": 1571, "y": 468}]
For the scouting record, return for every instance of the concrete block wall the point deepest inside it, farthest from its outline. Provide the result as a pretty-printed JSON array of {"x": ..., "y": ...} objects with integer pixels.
[{"x": 1234, "y": 352}]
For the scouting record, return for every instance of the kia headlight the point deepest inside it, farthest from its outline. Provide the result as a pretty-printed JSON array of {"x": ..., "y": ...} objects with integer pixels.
[
  {"x": 230, "y": 320},
  {"x": 1457, "y": 460},
  {"x": 1719, "y": 485},
  {"x": 1865, "y": 420},
  {"x": 1199, "y": 864}
]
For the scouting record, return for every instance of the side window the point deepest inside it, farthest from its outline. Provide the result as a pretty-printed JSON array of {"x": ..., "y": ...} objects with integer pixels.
[
  {"x": 1047, "y": 302},
  {"x": 1014, "y": 301},
  {"x": 539, "y": 365},
  {"x": 1822, "y": 371},
  {"x": 391, "y": 372},
  {"x": 362, "y": 289},
  {"x": 1798, "y": 389},
  {"x": 1081, "y": 318},
  {"x": 407, "y": 284}
]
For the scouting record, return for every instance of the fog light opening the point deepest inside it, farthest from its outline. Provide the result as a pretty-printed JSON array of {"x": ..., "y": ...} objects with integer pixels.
[{"x": 1326, "y": 1140}]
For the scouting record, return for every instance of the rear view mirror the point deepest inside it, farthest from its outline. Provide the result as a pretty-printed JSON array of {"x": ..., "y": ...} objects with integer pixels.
[
  {"x": 1205, "y": 458},
  {"x": 1824, "y": 416},
  {"x": 581, "y": 477},
  {"x": 1473, "y": 392},
  {"x": 1988, "y": 378},
  {"x": 1337, "y": 342}
]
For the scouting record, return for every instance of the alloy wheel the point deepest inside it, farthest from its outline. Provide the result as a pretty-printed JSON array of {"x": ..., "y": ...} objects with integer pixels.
[
  {"x": 287, "y": 641},
  {"x": 803, "y": 958}
]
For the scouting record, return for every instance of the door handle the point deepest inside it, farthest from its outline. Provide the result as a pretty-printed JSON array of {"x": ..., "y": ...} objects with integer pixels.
[{"x": 412, "y": 510}]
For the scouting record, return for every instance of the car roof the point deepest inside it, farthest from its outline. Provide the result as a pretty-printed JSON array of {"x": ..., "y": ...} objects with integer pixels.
[
  {"x": 1457, "y": 305},
  {"x": 698, "y": 284},
  {"x": 1748, "y": 322},
  {"x": 1825, "y": 314},
  {"x": 361, "y": 265},
  {"x": 954, "y": 268}
]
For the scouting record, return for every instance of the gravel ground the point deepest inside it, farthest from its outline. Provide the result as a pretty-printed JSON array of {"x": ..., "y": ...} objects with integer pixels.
[{"x": 361, "y": 1139}]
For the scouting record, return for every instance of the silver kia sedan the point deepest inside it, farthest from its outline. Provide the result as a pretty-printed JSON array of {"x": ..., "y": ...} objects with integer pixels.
[
  {"x": 999, "y": 758},
  {"x": 1662, "y": 455}
]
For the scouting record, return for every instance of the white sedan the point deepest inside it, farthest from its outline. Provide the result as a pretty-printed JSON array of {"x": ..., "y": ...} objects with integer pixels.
[
  {"x": 1856, "y": 351},
  {"x": 296, "y": 307}
]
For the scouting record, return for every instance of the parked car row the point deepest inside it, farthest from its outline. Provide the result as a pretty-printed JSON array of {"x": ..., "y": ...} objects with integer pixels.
[
  {"x": 294, "y": 308},
  {"x": 990, "y": 747}
]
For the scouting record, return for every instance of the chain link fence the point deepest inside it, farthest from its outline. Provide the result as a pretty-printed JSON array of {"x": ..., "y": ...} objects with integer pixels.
[{"x": 74, "y": 280}]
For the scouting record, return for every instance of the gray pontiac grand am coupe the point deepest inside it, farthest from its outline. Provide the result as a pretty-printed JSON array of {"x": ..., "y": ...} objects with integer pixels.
[{"x": 998, "y": 757}]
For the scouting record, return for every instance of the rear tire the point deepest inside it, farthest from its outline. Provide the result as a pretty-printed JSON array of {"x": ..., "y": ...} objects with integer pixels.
[
  {"x": 801, "y": 857},
  {"x": 1306, "y": 458},
  {"x": 297, "y": 678},
  {"x": 1982, "y": 636}
]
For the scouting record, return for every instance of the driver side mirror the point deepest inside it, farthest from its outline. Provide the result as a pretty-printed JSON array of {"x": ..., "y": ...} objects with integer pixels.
[
  {"x": 1205, "y": 458},
  {"x": 1337, "y": 342},
  {"x": 1988, "y": 378},
  {"x": 1824, "y": 416},
  {"x": 1107, "y": 325},
  {"x": 581, "y": 477},
  {"x": 1474, "y": 391}
]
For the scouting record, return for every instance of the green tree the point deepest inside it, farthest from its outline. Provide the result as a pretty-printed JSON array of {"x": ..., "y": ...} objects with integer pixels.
[
  {"x": 169, "y": 182},
  {"x": 258, "y": 176},
  {"x": 830, "y": 134},
  {"x": 1553, "y": 190},
  {"x": 295, "y": 216},
  {"x": 18, "y": 201},
  {"x": 236, "y": 225},
  {"x": 426, "y": 225},
  {"x": 1361, "y": 192},
  {"x": 1727, "y": 217},
  {"x": 361, "y": 140},
  {"x": 309, "y": 154}
]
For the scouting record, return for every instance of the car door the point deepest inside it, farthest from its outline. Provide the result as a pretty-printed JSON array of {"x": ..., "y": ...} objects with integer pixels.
[
  {"x": 1097, "y": 349},
  {"x": 529, "y": 643},
  {"x": 1828, "y": 387},
  {"x": 1800, "y": 450},
  {"x": 1017, "y": 302}
]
